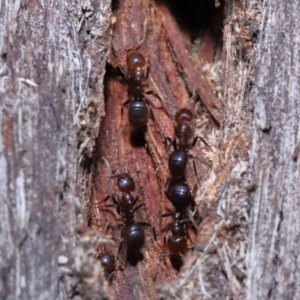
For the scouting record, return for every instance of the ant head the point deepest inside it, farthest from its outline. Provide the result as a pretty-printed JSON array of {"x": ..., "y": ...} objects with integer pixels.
[
  {"x": 183, "y": 115},
  {"x": 135, "y": 60},
  {"x": 108, "y": 262},
  {"x": 125, "y": 182}
]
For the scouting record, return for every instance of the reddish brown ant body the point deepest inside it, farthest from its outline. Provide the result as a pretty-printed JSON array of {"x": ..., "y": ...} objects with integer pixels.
[
  {"x": 138, "y": 111},
  {"x": 184, "y": 131}
]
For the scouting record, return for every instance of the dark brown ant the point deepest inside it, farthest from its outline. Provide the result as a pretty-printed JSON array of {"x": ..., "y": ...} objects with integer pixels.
[
  {"x": 132, "y": 232},
  {"x": 108, "y": 264},
  {"x": 184, "y": 131},
  {"x": 177, "y": 241},
  {"x": 138, "y": 111}
]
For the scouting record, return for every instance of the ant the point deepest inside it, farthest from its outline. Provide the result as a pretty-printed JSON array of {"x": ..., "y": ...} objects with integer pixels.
[
  {"x": 177, "y": 241},
  {"x": 108, "y": 264},
  {"x": 184, "y": 131},
  {"x": 132, "y": 232},
  {"x": 138, "y": 111}
]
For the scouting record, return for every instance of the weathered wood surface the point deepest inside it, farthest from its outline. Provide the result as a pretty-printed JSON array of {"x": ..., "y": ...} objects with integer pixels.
[
  {"x": 273, "y": 252},
  {"x": 52, "y": 66},
  {"x": 53, "y": 55}
]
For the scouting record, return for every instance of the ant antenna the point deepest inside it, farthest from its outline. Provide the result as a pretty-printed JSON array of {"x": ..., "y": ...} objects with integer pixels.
[
  {"x": 193, "y": 97},
  {"x": 107, "y": 164},
  {"x": 142, "y": 40}
]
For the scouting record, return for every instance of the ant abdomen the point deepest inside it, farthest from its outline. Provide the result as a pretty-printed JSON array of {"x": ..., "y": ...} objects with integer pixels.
[
  {"x": 138, "y": 113},
  {"x": 180, "y": 195},
  {"x": 177, "y": 242},
  {"x": 177, "y": 162},
  {"x": 134, "y": 237}
]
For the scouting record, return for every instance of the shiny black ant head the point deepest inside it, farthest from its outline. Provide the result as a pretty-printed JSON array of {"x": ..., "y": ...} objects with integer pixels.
[
  {"x": 180, "y": 195},
  {"x": 108, "y": 262},
  {"x": 183, "y": 115},
  {"x": 135, "y": 237},
  {"x": 135, "y": 60},
  {"x": 125, "y": 182}
]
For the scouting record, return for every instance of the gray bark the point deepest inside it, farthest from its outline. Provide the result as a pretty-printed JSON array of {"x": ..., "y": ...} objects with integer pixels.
[
  {"x": 273, "y": 251},
  {"x": 53, "y": 55}
]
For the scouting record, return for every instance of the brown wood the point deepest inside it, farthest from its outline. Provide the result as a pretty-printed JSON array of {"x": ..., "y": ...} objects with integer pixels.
[{"x": 173, "y": 77}]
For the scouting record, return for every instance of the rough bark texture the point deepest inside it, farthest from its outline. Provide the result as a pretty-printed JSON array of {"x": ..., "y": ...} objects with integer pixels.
[
  {"x": 273, "y": 251},
  {"x": 53, "y": 57}
]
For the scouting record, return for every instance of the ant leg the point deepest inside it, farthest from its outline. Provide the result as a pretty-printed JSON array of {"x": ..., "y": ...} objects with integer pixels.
[
  {"x": 166, "y": 192},
  {"x": 195, "y": 170},
  {"x": 144, "y": 34},
  {"x": 148, "y": 224},
  {"x": 110, "y": 277},
  {"x": 121, "y": 260},
  {"x": 166, "y": 232},
  {"x": 124, "y": 104},
  {"x": 194, "y": 191},
  {"x": 115, "y": 201},
  {"x": 105, "y": 199},
  {"x": 167, "y": 215},
  {"x": 204, "y": 162},
  {"x": 202, "y": 140},
  {"x": 193, "y": 97},
  {"x": 194, "y": 228},
  {"x": 165, "y": 187},
  {"x": 197, "y": 217},
  {"x": 138, "y": 207},
  {"x": 135, "y": 200},
  {"x": 172, "y": 142},
  {"x": 152, "y": 114},
  {"x": 162, "y": 255},
  {"x": 106, "y": 162},
  {"x": 147, "y": 72}
]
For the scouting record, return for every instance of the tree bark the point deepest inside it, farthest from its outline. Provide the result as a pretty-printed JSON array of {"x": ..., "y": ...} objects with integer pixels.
[{"x": 53, "y": 57}]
